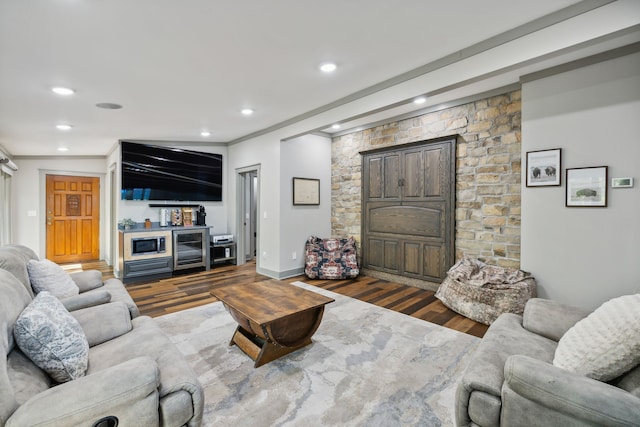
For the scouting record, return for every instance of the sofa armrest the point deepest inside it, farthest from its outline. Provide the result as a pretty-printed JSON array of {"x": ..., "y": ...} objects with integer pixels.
[
  {"x": 549, "y": 318},
  {"x": 88, "y": 299},
  {"x": 128, "y": 391},
  {"x": 551, "y": 393},
  {"x": 87, "y": 280},
  {"x": 104, "y": 322}
]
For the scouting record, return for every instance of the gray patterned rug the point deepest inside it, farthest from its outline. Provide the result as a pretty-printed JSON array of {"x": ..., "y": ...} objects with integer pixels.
[{"x": 367, "y": 366}]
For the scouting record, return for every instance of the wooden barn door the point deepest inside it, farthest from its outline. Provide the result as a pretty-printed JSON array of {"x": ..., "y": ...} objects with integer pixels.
[
  {"x": 408, "y": 209},
  {"x": 73, "y": 218}
]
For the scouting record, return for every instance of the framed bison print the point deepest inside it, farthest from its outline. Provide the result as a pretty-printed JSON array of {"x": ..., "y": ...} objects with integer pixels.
[
  {"x": 544, "y": 168},
  {"x": 587, "y": 187}
]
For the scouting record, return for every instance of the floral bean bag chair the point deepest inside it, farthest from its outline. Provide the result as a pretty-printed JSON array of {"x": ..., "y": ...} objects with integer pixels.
[
  {"x": 331, "y": 258},
  {"x": 483, "y": 292}
]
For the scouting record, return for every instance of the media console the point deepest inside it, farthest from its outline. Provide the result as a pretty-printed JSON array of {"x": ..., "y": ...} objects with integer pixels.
[{"x": 185, "y": 248}]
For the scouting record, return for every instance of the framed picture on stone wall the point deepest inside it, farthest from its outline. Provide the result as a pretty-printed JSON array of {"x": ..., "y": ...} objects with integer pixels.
[
  {"x": 587, "y": 187},
  {"x": 544, "y": 168}
]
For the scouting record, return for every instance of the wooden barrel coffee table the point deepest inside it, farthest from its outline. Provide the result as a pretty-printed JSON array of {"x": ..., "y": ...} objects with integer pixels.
[{"x": 274, "y": 318}]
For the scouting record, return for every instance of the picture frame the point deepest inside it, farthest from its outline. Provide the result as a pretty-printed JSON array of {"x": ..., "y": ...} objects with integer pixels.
[
  {"x": 306, "y": 191},
  {"x": 544, "y": 168},
  {"x": 587, "y": 187}
]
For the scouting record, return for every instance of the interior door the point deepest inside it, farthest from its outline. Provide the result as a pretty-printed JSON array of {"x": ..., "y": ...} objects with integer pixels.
[{"x": 73, "y": 218}]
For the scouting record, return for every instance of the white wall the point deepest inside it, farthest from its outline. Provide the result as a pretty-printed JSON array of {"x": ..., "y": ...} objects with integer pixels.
[
  {"x": 304, "y": 157},
  {"x": 263, "y": 151},
  {"x": 29, "y": 194},
  {"x": 584, "y": 256}
]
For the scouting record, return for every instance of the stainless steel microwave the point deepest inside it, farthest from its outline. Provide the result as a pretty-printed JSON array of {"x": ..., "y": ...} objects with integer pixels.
[{"x": 148, "y": 245}]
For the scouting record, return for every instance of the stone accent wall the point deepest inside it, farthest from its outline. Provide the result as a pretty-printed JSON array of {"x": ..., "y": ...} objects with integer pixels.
[{"x": 488, "y": 161}]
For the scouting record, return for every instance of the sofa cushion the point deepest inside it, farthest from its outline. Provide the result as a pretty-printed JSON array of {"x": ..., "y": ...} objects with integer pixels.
[
  {"x": 52, "y": 338},
  {"x": 14, "y": 263},
  {"x": 87, "y": 280},
  {"x": 606, "y": 343},
  {"x": 48, "y": 276}
]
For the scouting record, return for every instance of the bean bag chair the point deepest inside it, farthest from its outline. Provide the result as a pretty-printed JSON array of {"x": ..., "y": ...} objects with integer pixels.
[{"x": 331, "y": 258}]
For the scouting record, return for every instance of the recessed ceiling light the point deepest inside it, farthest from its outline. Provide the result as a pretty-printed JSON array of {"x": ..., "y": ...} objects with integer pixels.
[
  {"x": 63, "y": 90},
  {"x": 63, "y": 126},
  {"x": 247, "y": 111},
  {"x": 108, "y": 105},
  {"x": 328, "y": 67},
  {"x": 63, "y": 149},
  {"x": 335, "y": 126},
  {"x": 420, "y": 100},
  {"x": 205, "y": 133}
]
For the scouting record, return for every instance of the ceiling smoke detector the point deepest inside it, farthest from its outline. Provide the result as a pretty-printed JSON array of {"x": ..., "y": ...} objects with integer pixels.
[{"x": 109, "y": 105}]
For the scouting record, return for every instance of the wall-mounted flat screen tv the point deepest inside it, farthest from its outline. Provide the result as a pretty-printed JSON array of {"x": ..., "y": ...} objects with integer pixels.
[{"x": 152, "y": 172}]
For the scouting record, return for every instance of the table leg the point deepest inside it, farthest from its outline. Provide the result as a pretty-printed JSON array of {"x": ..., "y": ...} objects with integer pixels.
[{"x": 259, "y": 350}]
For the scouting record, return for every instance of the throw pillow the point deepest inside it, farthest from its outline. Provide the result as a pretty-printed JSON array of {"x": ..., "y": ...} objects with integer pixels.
[
  {"x": 52, "y": 338},
  {"x": 48, "y": 276},
  {"x": 606, "y": 343}
]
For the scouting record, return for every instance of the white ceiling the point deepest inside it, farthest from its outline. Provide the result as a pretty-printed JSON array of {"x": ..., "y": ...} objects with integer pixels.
[{"x": 179, "y": 67}]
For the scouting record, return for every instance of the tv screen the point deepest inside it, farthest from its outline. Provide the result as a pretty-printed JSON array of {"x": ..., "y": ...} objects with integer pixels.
[{"x": 152, "y": 172}]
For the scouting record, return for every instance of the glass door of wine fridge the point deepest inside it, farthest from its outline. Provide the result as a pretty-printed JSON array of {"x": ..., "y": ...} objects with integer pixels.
[{"x": 190, "y": 249}]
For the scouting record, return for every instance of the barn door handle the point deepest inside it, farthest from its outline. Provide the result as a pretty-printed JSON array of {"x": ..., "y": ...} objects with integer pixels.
[{"x": 401, "y": 182}]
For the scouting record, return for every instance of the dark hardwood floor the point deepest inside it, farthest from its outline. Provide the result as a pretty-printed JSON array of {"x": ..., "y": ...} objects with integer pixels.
[{"x": 155, "y": 298}]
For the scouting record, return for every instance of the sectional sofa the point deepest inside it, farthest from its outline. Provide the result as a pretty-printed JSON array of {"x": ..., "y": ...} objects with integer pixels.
[{"x": 89, "y": 359}]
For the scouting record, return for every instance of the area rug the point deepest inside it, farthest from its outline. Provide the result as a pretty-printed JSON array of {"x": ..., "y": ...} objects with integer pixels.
[{"x": 367, "y": 366}]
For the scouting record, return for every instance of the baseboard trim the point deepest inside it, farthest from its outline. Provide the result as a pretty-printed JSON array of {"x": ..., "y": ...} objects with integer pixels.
[{"x": 280, "y": 274}]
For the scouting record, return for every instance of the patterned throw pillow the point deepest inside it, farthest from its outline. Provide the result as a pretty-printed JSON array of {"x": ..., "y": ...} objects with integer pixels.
[
  {"x": 48, "y": 276},
  {"x": 52, "y": 338},
  {"x": 606, "y": 343}
]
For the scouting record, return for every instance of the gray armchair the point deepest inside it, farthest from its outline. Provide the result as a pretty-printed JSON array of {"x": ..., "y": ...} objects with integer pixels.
[{"x": 511, "y": 380}]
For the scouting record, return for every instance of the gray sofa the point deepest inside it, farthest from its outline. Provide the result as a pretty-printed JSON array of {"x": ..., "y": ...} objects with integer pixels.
[
  {"x": 135, "y": 374},
  {"x": 93, "y": 290},
  {"x": 511, "y": 379}
]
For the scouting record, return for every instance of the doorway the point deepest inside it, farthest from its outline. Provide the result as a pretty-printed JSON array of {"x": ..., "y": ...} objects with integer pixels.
[
  {"x": 248, "y": 191},
  {"x": 72, "y": 218}
]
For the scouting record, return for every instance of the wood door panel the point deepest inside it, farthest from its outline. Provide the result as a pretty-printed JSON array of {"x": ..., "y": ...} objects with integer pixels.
[
  {"x": 433, "y": 173},
  {"x": 433, "y": 265},
  {"x": 73, "y": 222},
  {"x": 412, "y": 258},
  {"x": 383, "y": 255},
  {"x": 406, "y": 220},
  {"x": 375, "y": 254},
  {"x": 391, "y": 177},
  {"x": 374, "y": 169},
  {"x": 391, "y": 256},
  {"x": 414, "y": 172},
  {"x": 59, "y": 241}
]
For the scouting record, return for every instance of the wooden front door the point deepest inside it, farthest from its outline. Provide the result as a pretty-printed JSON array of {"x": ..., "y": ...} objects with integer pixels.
[
  {"x": 408, "y": 209},
  {"x": 73, "y": 218}
]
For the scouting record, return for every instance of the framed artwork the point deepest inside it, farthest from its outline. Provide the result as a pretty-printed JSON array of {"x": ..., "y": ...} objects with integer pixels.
[
  {"x": 587, "y": 187},
  {"x": 544, "y": 168},
  {"x": 306, "y": 191}
]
